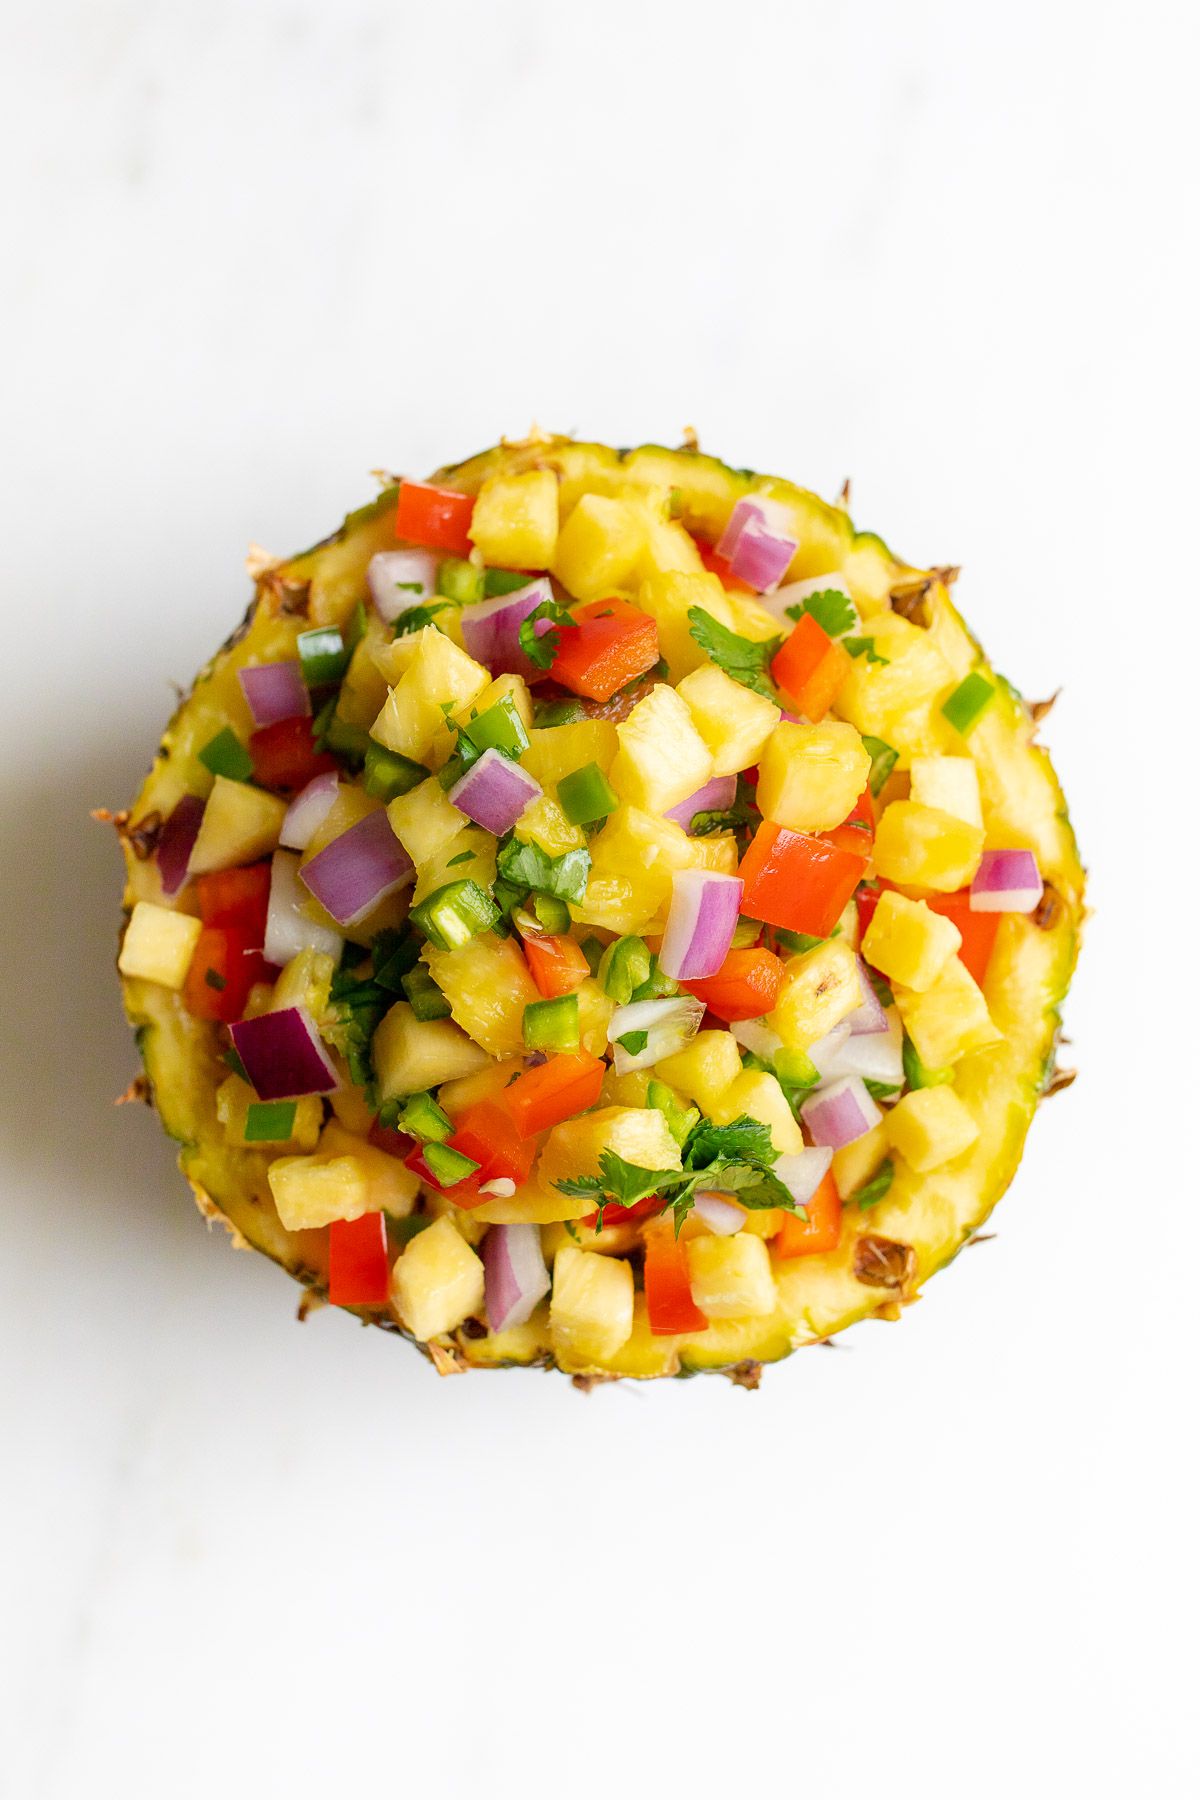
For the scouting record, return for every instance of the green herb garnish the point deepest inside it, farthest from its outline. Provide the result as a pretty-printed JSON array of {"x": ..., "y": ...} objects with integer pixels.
[{"x": 741, "y": 658}]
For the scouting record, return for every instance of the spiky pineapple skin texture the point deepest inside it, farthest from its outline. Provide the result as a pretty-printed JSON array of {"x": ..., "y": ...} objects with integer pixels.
[{"x": 934, "y": 1213}]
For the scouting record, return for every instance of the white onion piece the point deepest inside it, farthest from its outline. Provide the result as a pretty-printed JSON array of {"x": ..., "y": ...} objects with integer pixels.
[
  {"x": 797, "y": 592},
  {"x": 875, "y": 1056},
  {"x": 803, "y": 1173},
  {"x": 398, "y": 580},
  {"x": 1006, "y": 881},
  {"x": 720, "y": 1213},
  {"x": 308, "y": 811},
  {"x": 758, "y": 1038},
  {"x": 824, "y": 1053},
  {"x": 872, "y": 1015},
  {"x": 700, "y": 924},
  {"x": 840, "y": 1113},
  {"x": 669, "y": 1025},
  {"x": 289, "y": 929},
  {"x": 515, "y": 1274}
]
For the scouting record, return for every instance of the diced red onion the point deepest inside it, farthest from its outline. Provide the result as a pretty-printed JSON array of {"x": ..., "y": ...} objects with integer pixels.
[
  {"x": 791, "y": 718},
  {"x": 175, "y": 842},
  {"x": 761, "y": 558},
  {"x": 700, "y": 924},
  {"x": 758, "y": 512},
  {"x": 875, "y": 1055},
  {"x": 803, "y": 1173},
  {"x": 823, "y": 1054},
  {"x": 289, "y": 928},
  {"x": 358, "y": 869},
  {"x": 720, "y": 1213},
  {"x": 758, "y": 1038},
  {"x": 840, "y": 1113},
  {"x": 716, "y": 795},
  {"x": 491, "y": 628},
  {"x": 872, "y": 1015},
  {"x": 1006, "y": 881},
  {"x": 275, "y": 691},
  {"x": 398, "y": 580},
  {"x": 515, "y": 1275},
  {"x": 669, "y": 1025},
  {"x": 494, "y": 792},
  {"x": 283, "y": 1055},
  {"x": 308, "y": 811}
]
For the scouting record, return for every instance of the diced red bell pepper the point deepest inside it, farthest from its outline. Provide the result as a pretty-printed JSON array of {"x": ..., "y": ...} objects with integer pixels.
[
  {"x": 818, "y": 1232},
  {"x": 978, "y": 930},
  {"x": 237, "y": 897},
  {"x": 866, "y": 900},
  {"x": 485, "y": 1132},
  {"x": 719, "y": 565},
  {"x": 799, "y": 882},
  {"x": 670, "y": 1309},
  {"x": 285, "y": 757},
  {"x": 439, "y": 518},
  {"x": 557, "y": 964},
  {"x": 810, "y": 668},
  {"x": 856, "y": 832},
  {"x": 745, "y": 986},
  {"x": 568, "y": 1084},
  {"x": 358, "y": 1261},
  {"x": 610, "y": 644},
  {"x": 225, "y": 965},
  {"x": 616, "y": 1214}
]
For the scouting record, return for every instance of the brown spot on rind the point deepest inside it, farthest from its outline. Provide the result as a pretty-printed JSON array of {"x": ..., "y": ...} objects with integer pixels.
[
  {"x": 138, "y": 1089},
  {"x": 447, "y": 1360},
  {"x": 746, "y": 1375},
  {"x": 1049, "y": 909},
  {"x": 1038, "y": 709},
  {"x": 143, "y": 837},
  {"x": 883, "y": 1262},
  {"x": 1059, "y": 1080}
]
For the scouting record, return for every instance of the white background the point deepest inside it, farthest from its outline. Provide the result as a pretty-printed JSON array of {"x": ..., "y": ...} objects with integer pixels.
[{"x": 253, "y": 251}]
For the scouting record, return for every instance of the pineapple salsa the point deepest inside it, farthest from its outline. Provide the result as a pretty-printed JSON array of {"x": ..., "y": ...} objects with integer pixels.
[{"x": 600, "y": 910}]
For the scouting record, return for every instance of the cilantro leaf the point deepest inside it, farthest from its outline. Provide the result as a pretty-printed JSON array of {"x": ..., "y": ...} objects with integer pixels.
[
  {"x": 634, "y": 1042},
  {"x": 739, "y": 657},
  {"x": 527, "y": 867},
  {"x": 883, "y": 761},
  {"x": 417, "y": 617},
  {"x": 873, "y": 1191},
  {"x": 880, "y": 1090},
  {"x": 542, "y": 647},
  {"x": 830, "y": 607},
  {"x": 623, "y": 1183},
  {"x": 745, "y": 1140},
  {"x": 857, "y": 646}
]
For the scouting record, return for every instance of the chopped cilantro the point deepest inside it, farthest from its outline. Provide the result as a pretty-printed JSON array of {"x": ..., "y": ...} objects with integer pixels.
[
  {"x": 464, "y": 856},
  {"x": 865, "y": 646},
  {"x": 541, "y": 648},
  {"x": 634, "y": 1042},
  {"x": 830, "y": 607},
  {"x": 417, "y": 617},
  {"x": 741, "y": 658},
  {"x": 528, "y": 867},
  {"x": 873, "y": 1191}
]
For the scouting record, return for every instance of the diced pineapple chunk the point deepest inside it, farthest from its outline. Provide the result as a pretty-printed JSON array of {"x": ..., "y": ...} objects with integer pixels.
[
  {"x": 487, "y": 987},
  {"x": 630, "y": 1089},
  {"x": 668, "y": 599},
  {"x": 349, "y": 1103},
  {"x": 515, "y": 521},
  {"x": 470, "y": 855},
  {"x": 734, "y": 721},
  {"x": 855, "y": 1163},
  {"x": 908, "y": 942},
  {"x": 437, "y": 1281},
  {"x": 240, "y": 824},
  {"x": 950, "y": 783},
  {"x": 440, "y": 675},
  {"x": 595, "y": 1010},
  {"x": 546, "y": 824},
  {"x": 311, "y": 1191},
  {"x": 703, "y": 1069},
  {"x": 424, "y": 820},
  {"x": 391, "y": 1188},
  {"x": 811, "y": 775},
  {"x": 751, "y": 619},
  {"x": 412, "y": 1054},
  {"x": 633, "y": 860},
  {"x": 731, "y": 1276},
  {"x": 534, "y": 1203},
  {"x": 929, "y": 1127},
  {"x": 158, "y": 944},
  {"x": 636, "y": 1134},
  {"x": 591, "y": 1305},
  {"x": 304, "y": 981},
  {"x": 821, "y": 987},
  {"x": 559, "y": 750},
  {"x": 234, "y": 1098},
  {"x": 921, "y": 846},
  {"x": 484, "y": 1084},
  {"x": 896, "y": 699},
  {"x": 759, "y": 1095},
  {"x": 662, "y": 758},
  {"x": 718, "y": 851},
  {"x": 599, "y": 546},
  {"x": 365, "y": 684},
  {"x": 949, "y": 1019}
]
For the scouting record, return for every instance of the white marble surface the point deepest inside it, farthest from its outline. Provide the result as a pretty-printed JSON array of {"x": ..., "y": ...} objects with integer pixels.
[{"x": 253, "y": 251}]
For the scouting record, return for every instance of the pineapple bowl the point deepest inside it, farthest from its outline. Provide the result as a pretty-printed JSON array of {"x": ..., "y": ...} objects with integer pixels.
[{"x": 600, "y": 910}]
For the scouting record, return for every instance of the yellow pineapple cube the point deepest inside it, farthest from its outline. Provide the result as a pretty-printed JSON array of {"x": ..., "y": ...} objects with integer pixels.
[
  {"x": 759, "y": 1095},
  {"x": 391, "y": 1188},
  {"x": 599, "y": 546},
  {"x": 158, "y": 944},
  {"x": 487, "y": 987},
  {"x": 534, "y": 1203},
  {"x": 896, "y": 699},
  {"x": 240, "y": 824},
  {"x": 437, "y": 1281},
  {"x": 950, "y": 783},
  {"x": 311, "y": 1191},
  {"x": 515, "y": 521},
  {"x": 811, "y": 775},
  {"x": 703, "y": 1069},
  {"x": 908, "y": 942},
  {"x": 424, "y": 820},
  {"x": 855, "y": 1163},
  {"x": 662, "y": 758},
  {"x": 717, "y": 851},
  {"x": 561, "y": 749},
  {"x": 637, "y": 1134},
  {"x": 668, "y": 598},
  {"x": 734, "y": 722},
  {"x": 468, "y": 856},
  {"x": 820, "y": 988},
  {"x": 304, "y": 981},
  {"x": 591, "y": 1305},
  {"x": 412, "y": 1054},
  {"x": 921, "y": 846},
  {"x": 595, "y": 1010},
  {"x": 349, "y": 1103},
  {"x": 365, "y": 684},
  {"x": 751, "y": 619},
  {"x": 439, "y": 675},
  {"x": 546, "y": 824},
  {"x": 234, "y": 1099},
  {"x": 633, "y": 860},
  {"x": 949, "y": 1019},
  {"x": 929, "y": 1127},
  {"x": 731, "y": 1276},
  {"x": 483, "y": 1084},
  {"x": 631, "y": 1089}
]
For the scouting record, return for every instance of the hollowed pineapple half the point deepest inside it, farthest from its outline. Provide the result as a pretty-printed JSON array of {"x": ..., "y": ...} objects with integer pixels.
[{"x": 637, "y": 525}]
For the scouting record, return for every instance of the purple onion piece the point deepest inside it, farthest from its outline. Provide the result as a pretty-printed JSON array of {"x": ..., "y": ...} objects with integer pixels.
[
  {"x": 700, "y": 924},
  {"x": 746, "y": 512},
  {"x": 491, "y": 628},
  {"x": 358, "y": 869},
  {"x": 274, "y": 692},
  {"x": 717, "y": 795},
  {"x": 514, "y": 1273},
  {"x": 283, "y": 1055},
  {"x": 289, "y": 928},
  {"x": 872, "y": 1014},
  {"x": 175, "y": 842},
  {"x": 762, "y": 558},
  {"x": 840, "y": 1113},
  {"x": 803, "y": 1173},
  {"x": 494, "y": 792},
  {"x": 1006, "y": 881}
]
